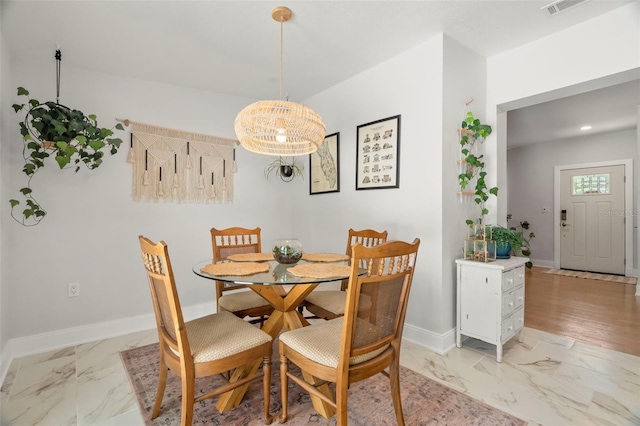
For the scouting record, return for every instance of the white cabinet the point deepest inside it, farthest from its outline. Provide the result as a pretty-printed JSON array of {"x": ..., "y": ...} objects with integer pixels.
[{"x": 490, "y": 301}]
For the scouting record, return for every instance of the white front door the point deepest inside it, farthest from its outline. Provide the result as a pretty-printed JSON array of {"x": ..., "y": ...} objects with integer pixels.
[{"x": 592, "y": 206}]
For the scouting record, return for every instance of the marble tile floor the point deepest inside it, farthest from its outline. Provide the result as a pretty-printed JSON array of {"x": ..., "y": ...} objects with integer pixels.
[{"x": 545, "y": 380}]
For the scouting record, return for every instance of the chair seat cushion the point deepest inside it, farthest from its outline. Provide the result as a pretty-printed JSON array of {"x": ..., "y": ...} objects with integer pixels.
[
  {"x": 335, "y": 300},
  {"x": 241, "y": 300},
  {"x": 321, "y": 343},
  {"x": 222, "y": 334}
]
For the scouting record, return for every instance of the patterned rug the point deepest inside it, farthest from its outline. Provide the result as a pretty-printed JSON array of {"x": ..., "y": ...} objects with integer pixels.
[
  {"x": 592, "y": 276},
  {"x": 424, "y": 401}
]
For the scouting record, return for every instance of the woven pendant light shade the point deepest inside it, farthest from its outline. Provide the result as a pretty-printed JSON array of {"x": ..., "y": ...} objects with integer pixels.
[{"x": 279, "y": 128}]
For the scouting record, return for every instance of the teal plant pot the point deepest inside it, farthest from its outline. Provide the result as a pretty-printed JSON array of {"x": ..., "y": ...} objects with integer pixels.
[{"x": 503, "y": 250}]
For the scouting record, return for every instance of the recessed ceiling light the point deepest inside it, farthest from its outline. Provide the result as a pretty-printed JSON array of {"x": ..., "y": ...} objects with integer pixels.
[{"x": 585, "y": 128}]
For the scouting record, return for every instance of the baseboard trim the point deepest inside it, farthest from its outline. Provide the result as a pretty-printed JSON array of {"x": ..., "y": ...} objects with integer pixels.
[
  {"x": 544, "y": 263},
  {"x": 438, "y": 343},
  {"x": 44, "y": 342}
]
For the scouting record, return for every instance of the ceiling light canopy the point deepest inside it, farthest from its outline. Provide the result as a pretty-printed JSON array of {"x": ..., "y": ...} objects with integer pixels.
[{"x": 280, "y": 127}]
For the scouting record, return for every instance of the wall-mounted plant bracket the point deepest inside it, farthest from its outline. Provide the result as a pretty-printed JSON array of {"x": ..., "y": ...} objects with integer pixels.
[{"x": 472, "y": 174}]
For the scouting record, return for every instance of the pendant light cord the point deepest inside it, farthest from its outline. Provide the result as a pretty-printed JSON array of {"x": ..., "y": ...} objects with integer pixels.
[
  {"x": 58, "y": 61},
  {"x": 281, "y": 55}
]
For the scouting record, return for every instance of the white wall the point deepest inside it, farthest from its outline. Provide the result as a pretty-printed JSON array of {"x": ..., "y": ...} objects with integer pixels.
[
  {"x": 531, "y": 186},
  {"x": 90, "y": 232},
  {"x": 562, "y": 62},
  {"x": 4, "y": 106},
  {"x": 464, "y": 77},
  {"x": 409, "y": 84}
]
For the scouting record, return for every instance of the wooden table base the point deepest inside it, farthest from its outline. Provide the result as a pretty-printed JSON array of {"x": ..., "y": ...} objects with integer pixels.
[{"x": 284, "y": 316}]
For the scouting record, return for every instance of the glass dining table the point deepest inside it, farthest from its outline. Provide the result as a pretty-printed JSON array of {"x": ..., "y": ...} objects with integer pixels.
[{"x": 285, "y": 292}]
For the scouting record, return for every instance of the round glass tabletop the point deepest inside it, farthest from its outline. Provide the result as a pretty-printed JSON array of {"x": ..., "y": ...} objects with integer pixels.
[{"x": 277, "y": 274}]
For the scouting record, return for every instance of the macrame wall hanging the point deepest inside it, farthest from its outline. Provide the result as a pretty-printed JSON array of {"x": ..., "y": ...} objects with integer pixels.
[{"x": 174, "y": 165}]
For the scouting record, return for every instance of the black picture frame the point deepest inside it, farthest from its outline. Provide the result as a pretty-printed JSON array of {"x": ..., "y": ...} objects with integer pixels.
[
  {"x": 324, "y": 166},
  {"x": 378, "y": 154}
]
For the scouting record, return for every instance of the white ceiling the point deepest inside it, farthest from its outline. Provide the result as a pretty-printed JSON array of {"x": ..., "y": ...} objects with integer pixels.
[
  {"x": 610, "y": 109},
  {"x": 233, "y": 46}
]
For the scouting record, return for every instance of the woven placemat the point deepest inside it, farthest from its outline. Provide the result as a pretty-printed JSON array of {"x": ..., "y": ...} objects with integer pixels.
[
  {"x": 251, "y": 257},
  {"x": 236, "y": 269},
  {"x": 320, "y": 270},
  {"x": 324, "y": 257}
]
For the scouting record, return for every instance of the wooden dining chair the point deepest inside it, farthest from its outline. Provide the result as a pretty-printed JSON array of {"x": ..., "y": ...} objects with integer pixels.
[
  {"x": 243, "y": 302},
  {"x": 207, "y": 346},
  {"x": 364, "y": 341},
  {"x": 329, "y": 304}
]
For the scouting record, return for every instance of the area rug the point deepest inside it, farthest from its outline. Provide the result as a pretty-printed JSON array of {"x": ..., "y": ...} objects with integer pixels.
[
  {"x": 592, "y": 276},
  {"x": 424, "y": 401}
]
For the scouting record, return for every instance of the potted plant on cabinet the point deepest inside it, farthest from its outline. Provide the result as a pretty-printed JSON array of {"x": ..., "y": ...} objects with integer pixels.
[
  {"x": 507, "y": 241},
  {"x": 54, "y": 130},
  {"x": 479, "y": 245}
]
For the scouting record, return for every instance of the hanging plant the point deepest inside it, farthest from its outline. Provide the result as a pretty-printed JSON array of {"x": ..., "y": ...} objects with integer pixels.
[
  {"x": 54, "y": 130},
  {"x": 287, "y": 170},
  {"x": 472, "y": 131}
]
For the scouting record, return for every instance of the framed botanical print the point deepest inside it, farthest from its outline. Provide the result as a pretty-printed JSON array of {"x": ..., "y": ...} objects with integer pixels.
[
  {"x": 378, "y": 154},
  {"x": 324, "y": 166}
]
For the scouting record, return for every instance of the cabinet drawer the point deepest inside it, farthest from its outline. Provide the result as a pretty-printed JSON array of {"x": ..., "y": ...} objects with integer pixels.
[
  {"x": 507, "y": 280},
  {"x": 518, "y": 320},
  {"x": 519, "y": 297},
  {"x": 507, "y": 329},
  {"x": 508, "y": 303},
  {"x": 518, "y": 276}
]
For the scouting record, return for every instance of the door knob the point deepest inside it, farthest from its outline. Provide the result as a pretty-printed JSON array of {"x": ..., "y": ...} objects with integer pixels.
[{"x": 565, "y": 224}]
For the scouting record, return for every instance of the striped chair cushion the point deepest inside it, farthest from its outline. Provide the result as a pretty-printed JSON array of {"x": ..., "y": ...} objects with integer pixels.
[
  {"x": 222, "y": 334},
  {"x": 321, "y": 343},
  {"x": 241, "y": 300}
]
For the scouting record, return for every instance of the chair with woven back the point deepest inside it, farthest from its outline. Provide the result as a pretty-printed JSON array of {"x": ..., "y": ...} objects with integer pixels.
[
  {"x": 245, "y": 303},
  {"x": 362, "y": 343},
  {"x": 329, "y": 304},
  {"x": 206, "y": 346}
]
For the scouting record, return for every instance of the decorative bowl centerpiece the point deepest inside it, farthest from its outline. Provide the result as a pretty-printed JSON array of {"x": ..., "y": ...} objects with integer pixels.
[{"x": 287, "y": 251}]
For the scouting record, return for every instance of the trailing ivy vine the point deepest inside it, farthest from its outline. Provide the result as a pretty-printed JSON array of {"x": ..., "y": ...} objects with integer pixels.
[
  {"x": 52, "y": 129},
  {"x": 472, "y": 131}
]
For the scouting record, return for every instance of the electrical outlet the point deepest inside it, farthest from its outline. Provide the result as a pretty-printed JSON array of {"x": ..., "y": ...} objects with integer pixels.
[{"x": 74, "y": 289}]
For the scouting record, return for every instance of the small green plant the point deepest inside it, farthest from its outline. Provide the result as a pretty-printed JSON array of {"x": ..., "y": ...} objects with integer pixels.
[
  {"x": 52, "y": 129},
  {"x": 287, "y": 252},
  {"x": 472, "y": 131},
  {"x": 287, "y": 170},
  {"x": 525, "y": 246},
  {"x": 503, "y": 236}
]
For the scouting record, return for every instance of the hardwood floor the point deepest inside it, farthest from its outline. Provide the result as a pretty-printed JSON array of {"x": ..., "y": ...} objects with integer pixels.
[{"x": 598, "y": 312}]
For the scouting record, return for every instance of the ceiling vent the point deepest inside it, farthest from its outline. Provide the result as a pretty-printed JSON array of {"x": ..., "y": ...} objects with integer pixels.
[{"x": 560, "y": 6}]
